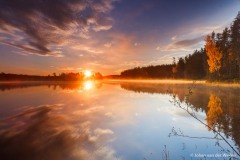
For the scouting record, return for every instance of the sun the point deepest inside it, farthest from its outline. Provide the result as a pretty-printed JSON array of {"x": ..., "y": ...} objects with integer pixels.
[{"x": 87, "y": 73}]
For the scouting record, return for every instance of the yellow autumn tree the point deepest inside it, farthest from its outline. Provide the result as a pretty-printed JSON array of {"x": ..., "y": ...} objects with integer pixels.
[
  {"x": 215, "y": 110},
  {"x": 214, "y": 55}
]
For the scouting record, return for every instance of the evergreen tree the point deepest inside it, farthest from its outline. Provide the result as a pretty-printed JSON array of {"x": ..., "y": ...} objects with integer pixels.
[
  {"x": 235, "y": 47},
  {"x": 223, "y": 43},
  {"x": 194, "y": 65},
  {"x": 180, "y": 67}
]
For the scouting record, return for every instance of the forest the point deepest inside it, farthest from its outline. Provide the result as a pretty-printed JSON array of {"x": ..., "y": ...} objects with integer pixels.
[
  {"x": 218, "y": 60},
  {"x": 53, "y": 77}
]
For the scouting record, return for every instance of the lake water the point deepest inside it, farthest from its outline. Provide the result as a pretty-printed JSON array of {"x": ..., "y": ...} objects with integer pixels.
[{"x": 118, "y": 121}]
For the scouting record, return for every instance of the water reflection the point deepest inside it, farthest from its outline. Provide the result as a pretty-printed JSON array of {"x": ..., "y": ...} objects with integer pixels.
[
  {"x": 221, "y": 104},
  {"x": 90, "y": 123},
  {"x": 215, "y": 111},
  {"x": 88, "y": 85},
  {"x": 43, "y": 132},
  {"x": 83, "y": 85}
]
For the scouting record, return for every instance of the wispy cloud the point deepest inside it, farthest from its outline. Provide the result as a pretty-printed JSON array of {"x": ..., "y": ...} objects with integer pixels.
[
  {"x": 98, "y": 28},
  {"x": 209, "y": 29},
  {"x": 186, "y": 42},
  {"x": 189, "y": 42},
  {"x": 108, "y": 45},
  {"x": 137, "y": 44},
  {"x": 34, "y": 49},
  {"x": 70, "y": 69},
  {"x": 182, "y": 45},
  {"x": 45, "y": 23},
  {"x": 86, "y": 48},
  {"x": 174, "y": 38}
]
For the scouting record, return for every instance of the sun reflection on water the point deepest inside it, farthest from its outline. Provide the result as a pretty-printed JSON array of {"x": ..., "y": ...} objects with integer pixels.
[{"x": 88, "y": 85}]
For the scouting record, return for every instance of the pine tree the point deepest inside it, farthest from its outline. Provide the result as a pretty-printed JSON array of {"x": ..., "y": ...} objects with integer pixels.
[
  {"x": 223, "y": 43},
  {"x": 180, "y": 67},
  {"x": 235, "y": 47}
]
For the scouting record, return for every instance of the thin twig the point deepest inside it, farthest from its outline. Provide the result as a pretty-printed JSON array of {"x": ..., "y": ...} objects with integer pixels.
[{"x": 178, "y": 104}]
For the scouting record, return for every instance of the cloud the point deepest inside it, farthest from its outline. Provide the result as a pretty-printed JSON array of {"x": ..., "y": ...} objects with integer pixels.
[
  {"x": 109, "y": 115},
  {"x": 70, "y": 69},
  {"x": 108, "y": 45},
  {"x": 137, "y": 44},
  {"x": 182, "y": 45},
  {"x": 174, "y": 38},
  {"x": 189, "y": 42},
  {"x": 158, "y": 48},
  {"x": 39, "y": 50},
  {"x": 43, "y": 24},
  {"x": 185, "y": 42},
  {"x": 209, "y": 29},
  {"x": 86, "y": 48},
  {"x": 100, "y": 132},
  {"x": 101, "y": 28}
]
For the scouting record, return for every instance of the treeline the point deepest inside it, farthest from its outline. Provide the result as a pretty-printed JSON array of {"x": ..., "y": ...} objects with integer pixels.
[
  {"x": 192, "y": 66},
  {"x": 218, "y": 60},
  {"x": 159, "y": 71},
  {"x": 54, "y": 77}
]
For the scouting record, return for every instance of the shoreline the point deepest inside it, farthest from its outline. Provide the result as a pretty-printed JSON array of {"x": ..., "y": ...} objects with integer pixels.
[
  {"x": 173, "y": 81},
  {"x": 169, "y": 81},
  {"x": 152, "y": 81}
]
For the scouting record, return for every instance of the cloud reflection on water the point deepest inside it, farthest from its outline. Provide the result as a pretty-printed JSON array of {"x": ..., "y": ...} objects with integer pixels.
[{"x": 44, "y": 132}]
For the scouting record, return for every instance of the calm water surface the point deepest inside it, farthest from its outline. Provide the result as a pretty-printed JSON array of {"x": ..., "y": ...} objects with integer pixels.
[{"x": 124, "y": 121}]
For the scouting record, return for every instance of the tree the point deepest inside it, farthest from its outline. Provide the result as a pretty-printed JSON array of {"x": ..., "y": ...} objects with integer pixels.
[
  {"x": 214, "y": 55},
  {"x": 223, "y": 43},
  {"x": 180, "y": 68},
  {"x": 235, "y": 43},
  {"x": 98, "y": 76},
  {"x": 174, "y": 71},
  {"x": 194, "y": 65},
  {"x": 215, "y": 110}
]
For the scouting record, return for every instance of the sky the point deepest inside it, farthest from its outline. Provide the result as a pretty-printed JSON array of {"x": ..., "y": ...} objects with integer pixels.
[{"x": 108, "y": 36}]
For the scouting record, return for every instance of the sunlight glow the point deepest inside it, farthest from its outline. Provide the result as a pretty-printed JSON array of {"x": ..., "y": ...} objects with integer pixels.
[
  {"x": 88, "y": 73},
  {"x": 88, "y": 85}
]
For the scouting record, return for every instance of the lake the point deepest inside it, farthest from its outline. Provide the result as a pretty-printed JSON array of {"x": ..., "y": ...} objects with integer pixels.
[{"x": 95, "y": 120}]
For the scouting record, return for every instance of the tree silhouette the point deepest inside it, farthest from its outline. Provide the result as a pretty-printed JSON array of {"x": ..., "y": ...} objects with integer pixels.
[{"x": 234, "y": 46}]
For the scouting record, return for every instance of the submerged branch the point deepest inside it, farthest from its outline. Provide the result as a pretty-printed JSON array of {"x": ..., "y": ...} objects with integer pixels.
[
  {"x": 177, "y": 103},
  {"x": 175, "y": 133}
]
